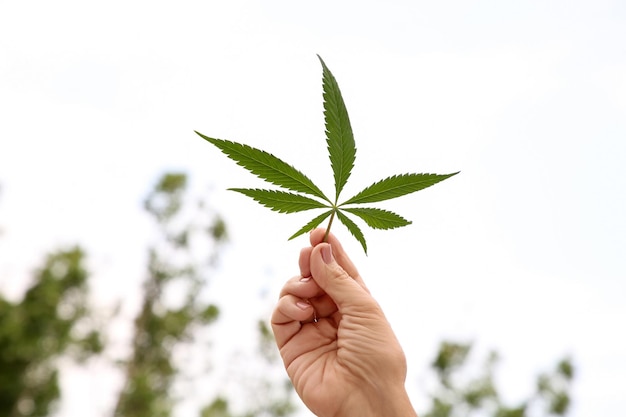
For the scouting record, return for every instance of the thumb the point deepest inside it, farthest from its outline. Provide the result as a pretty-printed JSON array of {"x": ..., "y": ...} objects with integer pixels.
[{"x": 336, "y": 282}]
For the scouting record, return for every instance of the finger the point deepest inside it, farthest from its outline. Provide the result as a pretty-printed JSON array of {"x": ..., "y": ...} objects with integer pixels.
[
  {"x": 304, "y": 261},
  {"x": 323, "y": 306},
  {"x": 287, "y": 317},
  {"x": 302, "y": 287},
  {"x": 317, "y": 236},
  {"x": 348, "y": 294},
  {"x": 308, "y": 290}
]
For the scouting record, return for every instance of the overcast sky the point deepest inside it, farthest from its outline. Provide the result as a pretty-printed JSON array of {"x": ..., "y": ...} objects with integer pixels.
[{"x": 523, "y": 251}]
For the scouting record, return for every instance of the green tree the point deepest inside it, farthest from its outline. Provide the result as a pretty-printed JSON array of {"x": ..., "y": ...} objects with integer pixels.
[
  {"x": 53, "y": 320},
  {"x": 160, "y": 326},
  {"x": 457, "y": 395},
  {"x": 50, "y": 321}
]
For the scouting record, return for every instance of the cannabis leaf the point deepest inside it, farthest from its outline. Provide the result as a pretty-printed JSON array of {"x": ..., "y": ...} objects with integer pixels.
[{"x": 300, "y": 193}]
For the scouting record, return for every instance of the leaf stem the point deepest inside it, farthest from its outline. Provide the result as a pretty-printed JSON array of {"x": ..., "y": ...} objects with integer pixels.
[{"x": 330, "y": 223}]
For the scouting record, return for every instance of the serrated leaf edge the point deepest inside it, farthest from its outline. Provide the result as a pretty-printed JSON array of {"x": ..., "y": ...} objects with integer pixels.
[
  {"x": 312, "y": 224},
  {"x": 271, "y": 199}
]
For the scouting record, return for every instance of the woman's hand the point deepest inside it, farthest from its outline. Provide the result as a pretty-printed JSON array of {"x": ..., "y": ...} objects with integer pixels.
[{"x": 337, "y": 346}]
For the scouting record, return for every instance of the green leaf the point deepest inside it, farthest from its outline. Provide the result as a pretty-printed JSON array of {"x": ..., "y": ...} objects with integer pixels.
[
  {"x": 312, "y": 224},
  {"x": 378, "y": 218},
  {"x": 267, "y": 167},
  {"x": 280, "y": 201},
  {"x": 396, "y": 186},
  {"x": 342, "y": 154},
  {"x": 339, "y": 137},
  {"x": 354, "y": 229}
]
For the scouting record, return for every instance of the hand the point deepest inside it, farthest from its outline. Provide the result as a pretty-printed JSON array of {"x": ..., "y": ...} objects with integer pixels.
[{"x": 337, "y": 346}]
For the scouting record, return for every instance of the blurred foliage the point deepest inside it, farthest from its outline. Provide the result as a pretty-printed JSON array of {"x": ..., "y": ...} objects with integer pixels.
[
  {"x": 457, "y": 395},
  {"x": 49, "y": 322},
  {"x": 188, "y": 240},
  {"x": 159, "y": 326},
  {"x": 53, "y": 320}
]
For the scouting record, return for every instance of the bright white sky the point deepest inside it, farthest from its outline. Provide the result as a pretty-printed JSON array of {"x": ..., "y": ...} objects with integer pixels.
[{"x": 522, "y": 252}]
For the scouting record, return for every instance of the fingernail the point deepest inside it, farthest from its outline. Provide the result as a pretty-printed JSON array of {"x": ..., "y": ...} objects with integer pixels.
[
  {"x": 303, "y": 304},
  {"x": 305, "y": 279},
  {"x": 327, "y": 254}
]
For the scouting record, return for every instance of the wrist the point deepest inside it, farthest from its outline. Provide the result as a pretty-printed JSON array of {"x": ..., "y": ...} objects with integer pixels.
[{"x": 387, "y": 402}]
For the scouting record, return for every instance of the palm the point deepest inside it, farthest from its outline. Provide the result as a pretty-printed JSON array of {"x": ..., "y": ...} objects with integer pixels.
[
  {"x": 318, "y": 371},
  {"x": 331, "y": 362}
]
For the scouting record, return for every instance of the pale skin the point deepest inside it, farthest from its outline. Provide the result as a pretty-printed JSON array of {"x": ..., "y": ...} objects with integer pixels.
[{"x": 337, "y": 346}]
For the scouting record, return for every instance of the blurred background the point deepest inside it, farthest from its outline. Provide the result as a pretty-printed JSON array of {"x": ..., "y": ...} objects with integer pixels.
[{"x": 133, "y": 284}]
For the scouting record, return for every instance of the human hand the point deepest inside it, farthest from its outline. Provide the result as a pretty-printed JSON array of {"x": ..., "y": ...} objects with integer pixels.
[{"x": 337, "y": 346}]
